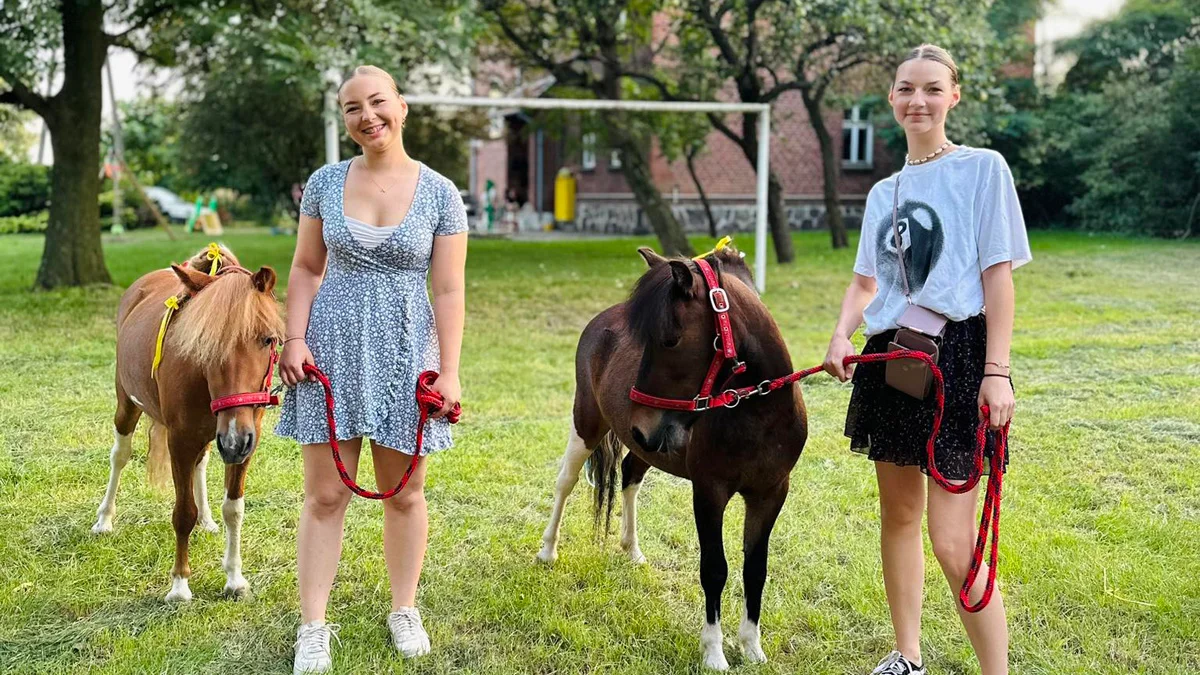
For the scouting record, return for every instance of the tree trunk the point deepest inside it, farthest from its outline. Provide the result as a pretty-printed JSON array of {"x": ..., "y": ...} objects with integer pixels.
[
  {"x": 691, "y": 165},
  {"x": 776, "y": 216},
  {"x": 829, "y": 163},
  {"x": 636, "y": 168},
  {"x": 73, "y": 255}
]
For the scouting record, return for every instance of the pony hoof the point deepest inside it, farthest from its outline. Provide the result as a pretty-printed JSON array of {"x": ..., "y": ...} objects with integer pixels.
[
  {"x": 636, "y": 557},
  {"x": 180, "y": 592},
  {"x": 716, "y": 660},
  {"x": 547, "y": 555},
  {"x": 237, "y": 590},
  {"x": 208, "y": 526},
  {"x": 102, "y": 526},
  {"x": 754, "y": 653}
]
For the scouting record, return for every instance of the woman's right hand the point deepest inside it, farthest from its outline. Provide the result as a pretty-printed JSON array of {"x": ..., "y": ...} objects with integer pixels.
[
  {"x": 839, "y": 348},
  {"x": 291, "y": 363}
]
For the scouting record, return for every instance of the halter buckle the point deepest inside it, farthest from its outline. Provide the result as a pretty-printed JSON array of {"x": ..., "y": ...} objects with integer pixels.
[
  {"x": 719, "y": 300},
  {"x": 701, "y": 403},
  {"x": 733, "y": 402}
]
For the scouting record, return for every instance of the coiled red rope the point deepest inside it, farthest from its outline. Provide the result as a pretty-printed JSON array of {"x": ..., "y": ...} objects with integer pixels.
[{"x": 428, "y": 402}]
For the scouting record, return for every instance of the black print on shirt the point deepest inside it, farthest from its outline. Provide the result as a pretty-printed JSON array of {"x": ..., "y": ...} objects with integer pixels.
[{"x": 921, "y": 237}]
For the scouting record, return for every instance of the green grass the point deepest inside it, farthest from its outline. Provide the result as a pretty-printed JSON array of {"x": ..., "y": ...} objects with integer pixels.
[{"x": 1100, "y": 556}]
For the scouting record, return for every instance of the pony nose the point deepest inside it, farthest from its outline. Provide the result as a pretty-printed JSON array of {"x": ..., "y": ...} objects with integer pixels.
[{"x": 235, "y": 447}]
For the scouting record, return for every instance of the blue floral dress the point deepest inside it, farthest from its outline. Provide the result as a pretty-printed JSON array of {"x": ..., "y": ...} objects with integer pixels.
[{"x": 371, "y": 329}]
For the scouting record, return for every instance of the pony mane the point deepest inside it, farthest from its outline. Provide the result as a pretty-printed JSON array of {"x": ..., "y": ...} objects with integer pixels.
[{"x": 228, "y": 312}]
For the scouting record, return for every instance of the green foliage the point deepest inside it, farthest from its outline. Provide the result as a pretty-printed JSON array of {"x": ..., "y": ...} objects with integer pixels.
[
  {"x": 24, "y": 188},
  {"x": 1146, "y": 37},
  {"x": 152, "y": 131},
  {"x": 25, "y": 223},
  {"x": 16, "y": 139}
]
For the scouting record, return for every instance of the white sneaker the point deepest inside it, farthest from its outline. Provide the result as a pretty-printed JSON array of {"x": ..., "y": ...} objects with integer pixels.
[
  {"x": 312, "y": 648},
  {"x": 408, "y": 634},
  {"x": 896, "y": 664}
]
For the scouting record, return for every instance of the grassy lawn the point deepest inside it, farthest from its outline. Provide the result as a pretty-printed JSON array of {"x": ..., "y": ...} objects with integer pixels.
[{"x": 1100, "y": 555}]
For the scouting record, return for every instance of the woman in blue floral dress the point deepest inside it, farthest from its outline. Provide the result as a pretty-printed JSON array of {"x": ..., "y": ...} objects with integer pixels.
[{"x": 372, "y": 230}]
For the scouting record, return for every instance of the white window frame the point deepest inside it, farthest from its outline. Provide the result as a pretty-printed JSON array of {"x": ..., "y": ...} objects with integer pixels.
[
  {"x": 860, "y": 158},
  {"x": 614, "y": 159},
  {"x": 587, "y": 156}
]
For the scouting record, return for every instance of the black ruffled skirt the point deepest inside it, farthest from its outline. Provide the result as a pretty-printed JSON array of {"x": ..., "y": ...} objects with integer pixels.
[{"x": 890, "y": 426}]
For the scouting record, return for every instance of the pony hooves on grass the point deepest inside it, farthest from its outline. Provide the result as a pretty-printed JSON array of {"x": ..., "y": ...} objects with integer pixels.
[
  {"x": 547, "y": 555},
  {"x": 209, "y": 526},
  {"x": 237, "y": 589},
  {"x": 715, "y": 660},
  {"x": 102, "y": 526},
  {"x": 180, "y": 592}
]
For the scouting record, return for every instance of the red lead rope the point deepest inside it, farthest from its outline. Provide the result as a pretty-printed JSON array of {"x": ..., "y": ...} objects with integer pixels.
[
  {"x": 990, "y": 518},
  {"x": 428, "y": 401}
]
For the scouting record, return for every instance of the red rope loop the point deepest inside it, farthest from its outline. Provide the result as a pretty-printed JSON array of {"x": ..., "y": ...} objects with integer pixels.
[{"x": 428, "y": 402}]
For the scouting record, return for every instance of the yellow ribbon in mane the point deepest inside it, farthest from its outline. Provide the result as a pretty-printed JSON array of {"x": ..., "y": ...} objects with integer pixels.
[
  {"x": 172, "y": 305},
  {"x": 725, "y": 241},
  {"x": 214, "y": 254}
]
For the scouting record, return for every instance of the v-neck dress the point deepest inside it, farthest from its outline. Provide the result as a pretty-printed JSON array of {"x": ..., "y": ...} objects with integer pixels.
[{"x": 371, "y": 328}]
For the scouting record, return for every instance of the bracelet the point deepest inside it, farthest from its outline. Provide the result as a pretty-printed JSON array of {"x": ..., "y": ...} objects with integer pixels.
[
  {"x": 292, "y": 338},
  {"x": 998, "y": 365},
  {"x": 1009, "y": 378}
]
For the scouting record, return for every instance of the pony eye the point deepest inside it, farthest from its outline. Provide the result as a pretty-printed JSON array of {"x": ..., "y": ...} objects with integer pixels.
[
  {"x": 670, "y": 343},
  {"x": 268, "y": 341}
]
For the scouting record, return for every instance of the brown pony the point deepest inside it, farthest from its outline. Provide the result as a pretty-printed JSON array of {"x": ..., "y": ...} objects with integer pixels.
[
  {"x": 662, "y": 342},
  {"x": 219, "y": 343}
]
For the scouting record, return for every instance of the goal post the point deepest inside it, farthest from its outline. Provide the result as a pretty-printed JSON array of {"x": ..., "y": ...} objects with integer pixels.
[{"x": 764, "y": 139}]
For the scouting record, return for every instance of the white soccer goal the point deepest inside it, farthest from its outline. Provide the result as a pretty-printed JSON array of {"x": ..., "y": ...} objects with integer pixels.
[{"x": 764, "y": 139}]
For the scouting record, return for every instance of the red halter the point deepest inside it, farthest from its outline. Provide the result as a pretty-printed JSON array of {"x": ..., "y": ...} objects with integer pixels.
[{"x": 725, "y": 348}]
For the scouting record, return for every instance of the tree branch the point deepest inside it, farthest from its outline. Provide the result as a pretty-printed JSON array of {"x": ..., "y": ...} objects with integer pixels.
[
  {"x": 719, "y": 125},
  {"x": 778, "y": 90},
  {"x": 150, "y": 14},
  {"x": 124, "y": 42},
  {"x": 713, "y": 24},
  {"x": 19, "y": 94}
]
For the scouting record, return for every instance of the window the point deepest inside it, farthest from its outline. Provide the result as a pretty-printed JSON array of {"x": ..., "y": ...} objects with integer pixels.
[
  {"x": 614, "y": 160},
  {"x": 587, "y": 160},
  {"x": 858, "y": 138}
]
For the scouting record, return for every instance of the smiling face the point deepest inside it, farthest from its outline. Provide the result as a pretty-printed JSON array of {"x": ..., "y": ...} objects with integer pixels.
[
  {"x": 923, "y": 92},
  {"x": 372, "y": 111}
]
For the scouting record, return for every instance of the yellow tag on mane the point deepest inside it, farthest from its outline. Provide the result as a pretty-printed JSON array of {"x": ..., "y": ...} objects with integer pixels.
[
  {"x": 172, "y": 304},
  {"x": 725, "y": 241},
  {"x": 214, "y": 254}
]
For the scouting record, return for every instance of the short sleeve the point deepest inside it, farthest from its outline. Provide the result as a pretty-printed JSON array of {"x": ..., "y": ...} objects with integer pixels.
[
  {"x": 1000, "y": 231},
  {"x": 453, "y": 216},
  {"x": 864, "y": 261},
  {"x": 314, "y": 189}
]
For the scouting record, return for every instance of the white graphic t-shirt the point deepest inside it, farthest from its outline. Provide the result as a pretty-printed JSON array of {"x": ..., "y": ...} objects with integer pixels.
[{"x": 957, "y": 216}]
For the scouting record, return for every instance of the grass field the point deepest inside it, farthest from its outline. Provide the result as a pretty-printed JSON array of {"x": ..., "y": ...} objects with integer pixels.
[{"x": 1100, "y": 555}]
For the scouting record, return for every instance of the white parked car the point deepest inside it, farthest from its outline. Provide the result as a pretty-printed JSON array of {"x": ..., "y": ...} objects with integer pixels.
[{"x": 172, "y": 205}]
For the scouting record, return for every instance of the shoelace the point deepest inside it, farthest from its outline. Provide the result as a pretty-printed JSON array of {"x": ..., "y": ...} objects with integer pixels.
[
  {"x": 405, "y": 623},
  {"x": 313, "y": 641}
]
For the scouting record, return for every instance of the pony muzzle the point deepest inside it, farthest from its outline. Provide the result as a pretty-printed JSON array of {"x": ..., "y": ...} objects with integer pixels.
[
  {"x": 236, "y": 442},
  {"x": 669, "y": 433}
]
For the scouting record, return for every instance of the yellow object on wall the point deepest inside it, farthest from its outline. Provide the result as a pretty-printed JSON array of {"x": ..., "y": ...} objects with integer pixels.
[{"x": 564, "y": 196}]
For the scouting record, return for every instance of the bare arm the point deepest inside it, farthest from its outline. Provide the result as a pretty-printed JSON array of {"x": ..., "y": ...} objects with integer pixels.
[
  {"x": 1000, "y": 299},
  {"x": 858, "y": 295},
  {"x": 448, "y": 286},
  {"x": 308, "y": 269}
]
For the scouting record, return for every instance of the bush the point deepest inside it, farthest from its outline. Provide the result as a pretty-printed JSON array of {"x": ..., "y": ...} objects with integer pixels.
[
  {"x": 24, "y": 188},
  {"x": 134, "y": 211},
  {"x": 27, "y": 223}
]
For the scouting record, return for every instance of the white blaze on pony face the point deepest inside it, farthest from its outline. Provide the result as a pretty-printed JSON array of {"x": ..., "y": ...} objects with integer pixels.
[
  {"x": 118, "y": 458},
  {"x": 233, "y": 511}
]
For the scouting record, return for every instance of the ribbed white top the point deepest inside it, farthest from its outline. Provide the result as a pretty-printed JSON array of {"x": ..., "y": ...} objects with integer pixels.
[{"x": 370, "y": 236}]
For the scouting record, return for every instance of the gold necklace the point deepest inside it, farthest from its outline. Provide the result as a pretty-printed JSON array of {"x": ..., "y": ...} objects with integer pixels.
[
  {"x": 926, "y": 158},
  {"x": 381, "y": 188}
]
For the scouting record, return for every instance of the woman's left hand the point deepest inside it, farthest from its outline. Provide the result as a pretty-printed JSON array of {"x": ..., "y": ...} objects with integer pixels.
[
  {"x": 447, "y": 385},
  {"x": 997, "y": 394}
]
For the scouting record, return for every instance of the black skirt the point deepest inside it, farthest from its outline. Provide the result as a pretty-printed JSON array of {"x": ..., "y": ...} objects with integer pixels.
[{"x": 890, "y": 426}]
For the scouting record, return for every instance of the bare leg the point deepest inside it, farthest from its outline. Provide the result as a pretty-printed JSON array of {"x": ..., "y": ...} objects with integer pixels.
[
  {"x": 901, "y": 505},
  {"x": 405, "y": 522},
  {"x": 952, "y": 529},
  {"x": 319, "y": 535}
]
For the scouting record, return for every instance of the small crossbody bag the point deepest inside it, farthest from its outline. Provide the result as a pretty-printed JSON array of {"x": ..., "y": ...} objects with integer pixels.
[{"x": 920, "y": 329}]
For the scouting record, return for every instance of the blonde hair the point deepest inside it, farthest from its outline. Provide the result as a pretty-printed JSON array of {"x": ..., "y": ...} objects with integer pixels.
[
  {"x": 373, "y": 71},
  {"x": 928, "y": 52}
]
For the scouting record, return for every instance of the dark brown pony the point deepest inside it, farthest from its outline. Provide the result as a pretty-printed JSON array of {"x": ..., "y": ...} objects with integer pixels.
[
  {"x": 219, "y": 343},
  {"x": 662, "y": 341}
]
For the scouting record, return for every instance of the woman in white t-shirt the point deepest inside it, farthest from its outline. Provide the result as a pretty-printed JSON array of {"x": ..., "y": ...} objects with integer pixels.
[{"x": 962, "y": 233}]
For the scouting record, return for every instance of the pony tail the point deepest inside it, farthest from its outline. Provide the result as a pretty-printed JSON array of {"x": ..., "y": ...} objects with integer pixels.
[
  {"x": 158, "y": 459},
  {"x": 602, "y": 474}
]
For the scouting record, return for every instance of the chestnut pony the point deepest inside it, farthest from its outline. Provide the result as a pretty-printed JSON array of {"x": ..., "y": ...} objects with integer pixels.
[
  {"x": 662, "y": 342},
  {"x": 219, "y": 343}
]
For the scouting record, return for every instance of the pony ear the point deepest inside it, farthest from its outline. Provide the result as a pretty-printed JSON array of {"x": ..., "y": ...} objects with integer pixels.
[
  {"x": 652, "y": 258},
  {"x": 682, "y": 275},
  {"x": 264, "y": 279},
  {"x": 194, "y": 280}
]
